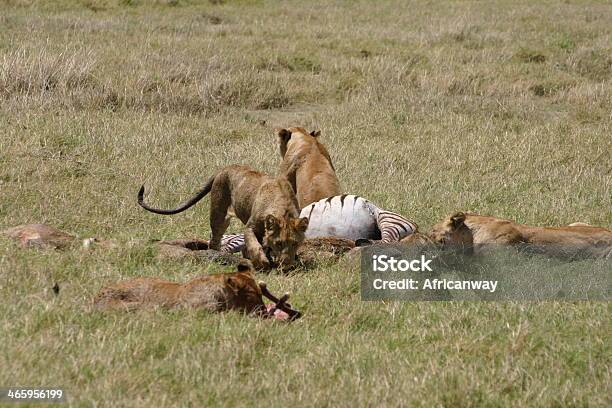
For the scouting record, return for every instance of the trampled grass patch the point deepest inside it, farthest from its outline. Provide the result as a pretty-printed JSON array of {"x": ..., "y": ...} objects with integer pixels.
[{"x": 427, "y": 108}]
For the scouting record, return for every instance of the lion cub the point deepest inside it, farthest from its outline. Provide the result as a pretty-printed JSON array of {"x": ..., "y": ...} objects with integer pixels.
[
  {"x": 474, "y": 232},
  {"x": 216, "y": 293},
  {"x": 266, "y": 205},
  {"x": 307, "y": 165}
]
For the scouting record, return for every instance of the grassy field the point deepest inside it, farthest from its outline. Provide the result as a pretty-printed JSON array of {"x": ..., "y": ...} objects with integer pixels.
[{"x": 427, "y": 107}]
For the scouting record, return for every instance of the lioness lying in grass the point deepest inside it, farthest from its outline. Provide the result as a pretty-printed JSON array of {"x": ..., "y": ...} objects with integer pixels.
[
  {"x": 215, "y": 293},
  {"x": 266, "y": 205},
  {"x": 476, "y": 232},
  {"x": 219, "y": 292}
]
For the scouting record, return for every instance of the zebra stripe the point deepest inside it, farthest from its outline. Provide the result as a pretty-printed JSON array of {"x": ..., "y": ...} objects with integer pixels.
[
  {"x": 393, "y": 227},
  {"x": 232, "y": 243}
]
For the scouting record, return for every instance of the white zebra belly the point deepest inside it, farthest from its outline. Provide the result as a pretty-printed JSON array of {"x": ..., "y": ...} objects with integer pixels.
[{"x": 341, "y": 216}]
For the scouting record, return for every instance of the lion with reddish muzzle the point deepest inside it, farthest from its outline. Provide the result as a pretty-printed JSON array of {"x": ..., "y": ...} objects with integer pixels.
[{"x": 215, "y": 293}]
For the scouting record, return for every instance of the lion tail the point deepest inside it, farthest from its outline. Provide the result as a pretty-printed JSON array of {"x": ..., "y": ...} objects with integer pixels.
[{"x": 182, "y": 207}]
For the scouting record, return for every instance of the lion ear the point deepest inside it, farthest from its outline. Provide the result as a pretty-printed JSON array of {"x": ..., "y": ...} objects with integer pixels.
[
  {"x": 301, "y": 224},
  {"x": 283, "y": 134},
  {"x": 315, "y": 133},
  {"x": 458, "y": 219},
  {"x": 271, "y": 223},
  {"x": 245, "y": 266},
  {"x": 283, "y": 137}
]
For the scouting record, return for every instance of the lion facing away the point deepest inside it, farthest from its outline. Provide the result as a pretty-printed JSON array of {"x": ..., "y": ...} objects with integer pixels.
[
  {"x": 307, "y": 165},
  {"x": 215, "y": 293},
  {"x": 476, "y": 232},
  {"x": 266, "y": 205}
]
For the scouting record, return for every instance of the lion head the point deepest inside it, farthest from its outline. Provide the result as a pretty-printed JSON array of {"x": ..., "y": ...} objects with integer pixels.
[
  {"x": 242, "y": 291},
  {"x": 452, "y": 231},
  {"x": 282, "y": 238},
  {"x": 284, "y": 135}
]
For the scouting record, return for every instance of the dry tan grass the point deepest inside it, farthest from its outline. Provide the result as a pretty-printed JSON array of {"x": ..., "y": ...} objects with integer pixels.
[{"x": 427, "y": 108}]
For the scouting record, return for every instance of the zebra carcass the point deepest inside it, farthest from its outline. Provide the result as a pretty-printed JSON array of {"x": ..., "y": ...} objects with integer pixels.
[{"x": 344, "y": 216}]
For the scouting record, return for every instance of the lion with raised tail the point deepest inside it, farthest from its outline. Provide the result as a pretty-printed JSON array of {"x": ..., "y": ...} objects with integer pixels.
[
  {"x": 307, "y": 165},
  {"x": 267, "y": 206}
]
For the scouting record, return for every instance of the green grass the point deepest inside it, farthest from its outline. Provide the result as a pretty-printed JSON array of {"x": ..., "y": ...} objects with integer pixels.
[{"x": 427, "y": 108}]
